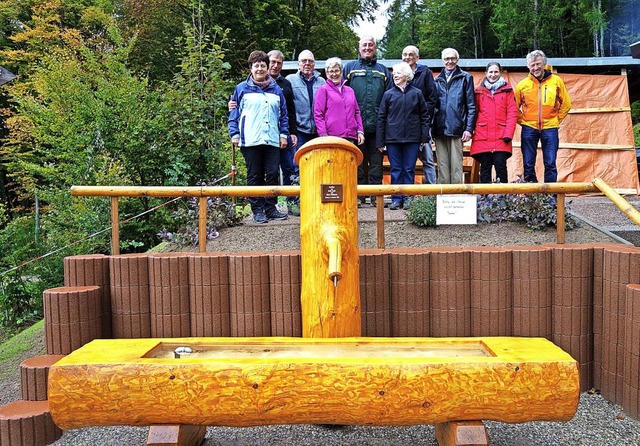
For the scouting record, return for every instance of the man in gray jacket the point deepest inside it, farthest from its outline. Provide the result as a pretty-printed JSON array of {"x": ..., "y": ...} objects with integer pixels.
[{"x": 305, "y": 82}]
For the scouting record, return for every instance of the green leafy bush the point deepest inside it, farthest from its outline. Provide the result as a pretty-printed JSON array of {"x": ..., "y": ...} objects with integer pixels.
[
  {"x": 537, "y": 211},
  {"x": 422, "y": 211},
  {"x": 635, "y": 112}
]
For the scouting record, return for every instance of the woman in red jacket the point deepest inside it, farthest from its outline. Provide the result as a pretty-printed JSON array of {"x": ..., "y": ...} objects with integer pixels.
[{"x": 497, "y": 114}]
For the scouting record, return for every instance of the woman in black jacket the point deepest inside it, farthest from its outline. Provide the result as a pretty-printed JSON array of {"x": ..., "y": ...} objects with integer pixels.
[{"x": 403, "y": 126}]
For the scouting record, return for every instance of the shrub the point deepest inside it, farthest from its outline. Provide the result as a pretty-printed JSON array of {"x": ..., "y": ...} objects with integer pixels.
[
  {"x": 422, "y": 211},
  {"x": 635, "y": 112}
]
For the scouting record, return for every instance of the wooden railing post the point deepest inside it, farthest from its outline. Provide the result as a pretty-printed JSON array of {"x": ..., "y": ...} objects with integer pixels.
[
  {"x": 115, "y": 227},
  {"x": 560, "y": 218},
  {"x": 202, "y": 224}
]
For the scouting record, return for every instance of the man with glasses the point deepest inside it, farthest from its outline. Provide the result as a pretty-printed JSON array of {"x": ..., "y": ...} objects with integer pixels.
[
  {"x": 369, "y": 79},
  {"x": 287, "y": 166},
  {"x": 423, "y": 81},
  {"x": 305, "y": 82},
  {"x": 455, "y": 117}
]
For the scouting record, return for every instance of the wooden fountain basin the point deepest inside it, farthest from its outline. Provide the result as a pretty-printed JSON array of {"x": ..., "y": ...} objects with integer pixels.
[{"x": 354, "y": 381}]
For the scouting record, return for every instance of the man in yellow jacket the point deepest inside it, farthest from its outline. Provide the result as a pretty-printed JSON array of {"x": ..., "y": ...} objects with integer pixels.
[{"x": 543, "y": 102}]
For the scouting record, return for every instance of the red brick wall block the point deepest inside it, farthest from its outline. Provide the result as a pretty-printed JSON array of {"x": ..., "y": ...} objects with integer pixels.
[
  {"x": 410, "y": 303},
  {"x": 71, "y": 318},
  {"x": 209, "y": 295},
  {"x": 450, "y": 292},
  {"x": 573, "y": 305},
  {"x": 249, "y": 294},
  {"x": 130, "y": 302},
  {"x": 532, "y": 291},
  {"x": 169, "y": 295},
  {"x": 631, "y": 384},
  {"x": 285, "y": 279},
  {"x": 34, "y": 373},
  {"x": 92, "y": 269},
  {"x": 491, "y": 291},
  {"x": 375, "y": 298},
  {"x": 620, "y": 269},
  {"x": 27, "y": 423}
]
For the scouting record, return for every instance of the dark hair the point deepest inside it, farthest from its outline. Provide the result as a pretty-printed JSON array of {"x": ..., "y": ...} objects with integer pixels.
[
  {"x": 258, "y": 56},
  {"x": 491, "y": 64}
]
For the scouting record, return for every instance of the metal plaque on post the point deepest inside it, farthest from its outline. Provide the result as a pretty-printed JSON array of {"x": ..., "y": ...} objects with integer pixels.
[{"x": 331, "y": 193}]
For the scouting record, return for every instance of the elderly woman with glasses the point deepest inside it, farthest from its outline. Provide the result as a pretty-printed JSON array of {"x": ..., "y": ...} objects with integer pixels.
[
  {"x": 403, "y": 126},
  {"x": 335, "y": 108}
]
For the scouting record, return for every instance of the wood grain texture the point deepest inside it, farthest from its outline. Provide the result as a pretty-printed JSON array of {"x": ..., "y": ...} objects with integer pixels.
[
  {"x": 111, "y": 382},
  {"x": 329, "y": 239}
]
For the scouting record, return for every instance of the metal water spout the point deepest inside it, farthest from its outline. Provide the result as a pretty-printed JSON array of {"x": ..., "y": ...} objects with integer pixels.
[{"x": 330, "y": 292}]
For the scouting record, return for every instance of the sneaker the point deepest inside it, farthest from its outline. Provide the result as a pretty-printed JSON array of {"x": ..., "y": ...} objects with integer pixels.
[
  {"x": 396, "y": 205},
  {"x": 275, "y": 215},
  {"x": 259, "y": 217},
  {"x": 293, "y": 209}
]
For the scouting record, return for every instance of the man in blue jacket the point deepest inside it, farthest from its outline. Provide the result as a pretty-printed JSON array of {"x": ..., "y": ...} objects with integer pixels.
[
  {"x": 369, "y": 80},
  {"x": 455, "y": 117}
]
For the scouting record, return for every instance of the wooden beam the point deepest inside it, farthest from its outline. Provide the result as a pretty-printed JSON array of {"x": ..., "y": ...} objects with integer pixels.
[
  {"x": 176, "y": 435},
  {"x": 462, "y": 433}
]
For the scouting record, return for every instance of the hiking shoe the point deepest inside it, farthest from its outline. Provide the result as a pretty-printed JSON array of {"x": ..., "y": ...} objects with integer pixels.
[
  {"x": 259, "y": 217},
  {"x": 275, "y": 215},
  {"x": 293, "y": 209}
]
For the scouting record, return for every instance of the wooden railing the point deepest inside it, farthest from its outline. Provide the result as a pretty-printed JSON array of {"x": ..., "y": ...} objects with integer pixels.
[{"x": 204, "y": 192}]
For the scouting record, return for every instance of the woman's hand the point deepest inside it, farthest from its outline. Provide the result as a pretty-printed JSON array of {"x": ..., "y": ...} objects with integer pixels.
[{"x": 360, "y": 139}]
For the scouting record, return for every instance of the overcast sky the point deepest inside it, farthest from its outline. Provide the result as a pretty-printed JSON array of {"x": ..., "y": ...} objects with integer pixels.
[{"x": 376, "y": 29}]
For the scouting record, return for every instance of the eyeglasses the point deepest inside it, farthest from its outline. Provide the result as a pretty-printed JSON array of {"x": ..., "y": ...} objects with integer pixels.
[
  {"x": 408, "y": 55},
  {"x": 307, "y": 61},
  {"x": 275, "y": 62},
  {"x": 450, "y": 59}
]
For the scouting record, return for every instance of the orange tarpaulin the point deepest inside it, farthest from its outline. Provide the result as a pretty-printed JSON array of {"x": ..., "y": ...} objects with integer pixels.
[{"x": 596, "y": 138}]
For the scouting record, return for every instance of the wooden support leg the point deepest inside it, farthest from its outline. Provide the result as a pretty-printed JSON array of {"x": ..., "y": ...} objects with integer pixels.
[
  {"x": 462, "y": 433},
  {"x": 178, "y": 435}
]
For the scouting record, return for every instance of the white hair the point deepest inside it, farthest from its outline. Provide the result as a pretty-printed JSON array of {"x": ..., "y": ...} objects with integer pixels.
[
  {"x": 535, "y": 54},
  {"x": 450, "y": 50},
  {"x": 404, "y": 68}
]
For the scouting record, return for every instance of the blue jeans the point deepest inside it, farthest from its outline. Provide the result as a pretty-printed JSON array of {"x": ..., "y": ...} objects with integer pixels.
[
  {"x": 426, "y": 156},
  {"x": 529, "y": 145},
  {"x": 402, "y": 162}
]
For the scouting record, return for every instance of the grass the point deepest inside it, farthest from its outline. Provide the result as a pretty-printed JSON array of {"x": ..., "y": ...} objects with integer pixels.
[{"x": 17, "y": 345}]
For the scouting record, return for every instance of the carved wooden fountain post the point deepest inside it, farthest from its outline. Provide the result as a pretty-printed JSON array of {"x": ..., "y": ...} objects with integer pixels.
[{"x": 330, "y": 293}]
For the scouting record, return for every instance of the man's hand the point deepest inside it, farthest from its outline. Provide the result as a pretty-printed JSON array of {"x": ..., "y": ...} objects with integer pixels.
[
  {"x": 283, "y": 143},
  {"x": 294, "y": 140},
  {"x": 466, "y": 136},
  {"x": 235, "y": 141},
  {"x": 360, "y": 139},
  {"x": 232, "y": 104}
]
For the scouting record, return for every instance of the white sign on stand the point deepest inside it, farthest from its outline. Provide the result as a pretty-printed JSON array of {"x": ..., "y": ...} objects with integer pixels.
[{"x": 456, "y": 209}]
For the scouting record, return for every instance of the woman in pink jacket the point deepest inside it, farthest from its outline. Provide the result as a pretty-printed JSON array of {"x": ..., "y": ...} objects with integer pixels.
[
  {"x": 496, "y": 122},
  {"x": 335, "y": 109}
]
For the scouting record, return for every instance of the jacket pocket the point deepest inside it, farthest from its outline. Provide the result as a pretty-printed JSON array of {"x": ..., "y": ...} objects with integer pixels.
[{"x": 481, "y": 132}]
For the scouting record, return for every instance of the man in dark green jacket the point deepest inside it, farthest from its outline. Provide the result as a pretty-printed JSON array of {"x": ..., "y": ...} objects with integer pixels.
[{"x": 369, "y": 79}]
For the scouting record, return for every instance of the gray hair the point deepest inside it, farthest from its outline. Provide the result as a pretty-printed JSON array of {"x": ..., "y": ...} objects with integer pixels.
[
  {"x": 411, "y": 49},
  {"x": 535, "y": 54},
  {"x": 450, "y": 50},
  {"x": 305, "y": 54},
  {"x": 276, "y": 53},
  {"x": 404, "y": 68},
  {"x": 332, "y": 62}
]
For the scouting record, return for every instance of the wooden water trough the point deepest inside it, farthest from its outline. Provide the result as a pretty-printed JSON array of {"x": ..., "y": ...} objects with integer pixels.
[{"x": 350, "y": 381}]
